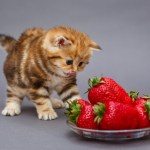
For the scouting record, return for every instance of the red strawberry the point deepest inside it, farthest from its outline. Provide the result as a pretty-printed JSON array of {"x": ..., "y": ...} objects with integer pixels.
[
  {"x": 81, "y": 113},
  {"x": 86, "y": 118},
  {"x": 74, "y": 109},
  {"x": 115, "y": 116},
  {"x": 83, "y": 102},
  {"x": 142, "y": 105},
  {"x": 105, "y": 89}
]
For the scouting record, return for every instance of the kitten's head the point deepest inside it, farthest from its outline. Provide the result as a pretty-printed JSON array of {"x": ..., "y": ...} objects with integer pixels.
[{"x": 68, "y": 51}]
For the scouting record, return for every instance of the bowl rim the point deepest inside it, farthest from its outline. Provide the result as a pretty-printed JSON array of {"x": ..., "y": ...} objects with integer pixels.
[{"x": 72, "y": 125}]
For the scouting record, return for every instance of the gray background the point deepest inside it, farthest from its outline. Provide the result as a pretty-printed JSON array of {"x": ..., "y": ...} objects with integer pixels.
[{"x": 121, "y": 27}]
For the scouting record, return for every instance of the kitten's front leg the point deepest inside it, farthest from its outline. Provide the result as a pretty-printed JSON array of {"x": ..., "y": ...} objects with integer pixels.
[
  {"x": 41, "y": 99},
  {"x": 15, "y": 96},
  {"x": 68, "y": 92}
]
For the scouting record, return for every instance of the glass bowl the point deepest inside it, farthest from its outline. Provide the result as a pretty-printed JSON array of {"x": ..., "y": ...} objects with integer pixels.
[{"x": 109, "y": 135}]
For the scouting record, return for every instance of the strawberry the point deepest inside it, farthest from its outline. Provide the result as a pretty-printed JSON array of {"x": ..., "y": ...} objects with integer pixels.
[
  {"x": 74, "y": 109},
  {"x": 115, "y": 116},
  {"x": 83, "y": 102},
  {"x": 82, "y": 114},
  {"x": 142, "y": 105},
  {"x": 87, "y": 117},
  {"x": 105, "y": 89}
]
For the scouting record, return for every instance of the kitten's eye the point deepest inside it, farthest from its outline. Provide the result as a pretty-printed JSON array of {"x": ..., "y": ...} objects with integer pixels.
[
  {"x": 69, "y": 62},
  {"x": 80, "y": 64}
]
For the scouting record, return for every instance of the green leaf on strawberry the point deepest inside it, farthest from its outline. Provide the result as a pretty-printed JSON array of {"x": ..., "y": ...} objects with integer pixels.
[
  {"x": 147, "y": 106},
  {"x": 99, "y": 110},
  {"x": 134, "y": 95},
  {"x": 95, "y": 81},
  {"x": 73, "y": 111}
]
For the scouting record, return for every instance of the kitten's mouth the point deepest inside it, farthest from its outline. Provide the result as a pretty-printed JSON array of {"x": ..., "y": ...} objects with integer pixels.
[{"x": 71, "y": 73}]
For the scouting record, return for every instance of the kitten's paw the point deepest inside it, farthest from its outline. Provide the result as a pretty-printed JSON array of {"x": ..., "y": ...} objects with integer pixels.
[
  {"x": 56, "y": 103},
  {"x": 11, "y": 109},
  {"x": 47, "y": 114}
]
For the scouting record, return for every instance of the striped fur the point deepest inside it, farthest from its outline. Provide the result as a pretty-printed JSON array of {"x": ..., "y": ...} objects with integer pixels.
[{"x": 37, "y": 64}]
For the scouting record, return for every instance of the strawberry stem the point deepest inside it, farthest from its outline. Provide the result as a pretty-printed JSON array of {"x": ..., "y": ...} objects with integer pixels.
[
  {"x": 134, "y": 95},
  {"x": 99, "y": 111},
  {"x": 147, "y": 106},
  {"x": 94, "y": 82}
]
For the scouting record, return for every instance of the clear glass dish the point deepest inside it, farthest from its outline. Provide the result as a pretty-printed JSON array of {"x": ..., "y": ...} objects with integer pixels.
[{"x": 109, "y": 135}]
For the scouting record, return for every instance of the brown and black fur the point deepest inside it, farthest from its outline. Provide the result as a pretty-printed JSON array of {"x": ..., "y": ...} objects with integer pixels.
[{"x": 37, "y": 64}]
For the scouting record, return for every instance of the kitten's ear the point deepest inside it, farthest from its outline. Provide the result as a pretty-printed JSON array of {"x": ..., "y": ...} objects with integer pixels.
[
  {"x": 61, "y": 42},
  {"x": 94, "y": 46}
]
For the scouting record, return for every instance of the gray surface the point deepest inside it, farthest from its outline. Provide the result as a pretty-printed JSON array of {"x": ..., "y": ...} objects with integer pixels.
[{"x": 122, "y": 27}]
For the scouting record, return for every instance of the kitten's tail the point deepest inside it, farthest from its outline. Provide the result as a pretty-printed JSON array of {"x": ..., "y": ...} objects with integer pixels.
[{"x": 7, "y": 42}]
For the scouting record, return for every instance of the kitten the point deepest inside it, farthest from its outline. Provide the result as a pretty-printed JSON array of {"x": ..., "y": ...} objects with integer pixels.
[{"x": 41, "y": 61}]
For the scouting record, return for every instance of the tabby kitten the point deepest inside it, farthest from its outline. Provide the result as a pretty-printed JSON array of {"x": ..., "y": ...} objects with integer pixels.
[{"x": 41, "y": 61}]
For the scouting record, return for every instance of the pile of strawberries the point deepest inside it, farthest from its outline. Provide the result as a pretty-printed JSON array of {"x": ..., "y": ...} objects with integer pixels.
[{"x": 110, "y": 107}]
